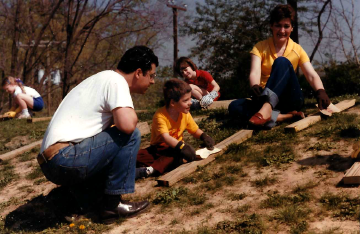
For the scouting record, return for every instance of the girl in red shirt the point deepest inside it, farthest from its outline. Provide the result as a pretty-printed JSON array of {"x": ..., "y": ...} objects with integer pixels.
[{"x": 205, "y": 90}]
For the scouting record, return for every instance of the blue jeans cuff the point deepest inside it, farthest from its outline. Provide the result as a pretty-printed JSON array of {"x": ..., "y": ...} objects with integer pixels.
[
  {"x": 119, "y": 191},
  {"x": 273, "y": 98},
  {"x": 274, "y": 116}
]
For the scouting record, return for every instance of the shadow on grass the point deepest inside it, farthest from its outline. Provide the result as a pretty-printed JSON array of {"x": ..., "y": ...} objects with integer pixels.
[
  {"x": 335, "y": 162},
  {"x": 44, "y": 212}
]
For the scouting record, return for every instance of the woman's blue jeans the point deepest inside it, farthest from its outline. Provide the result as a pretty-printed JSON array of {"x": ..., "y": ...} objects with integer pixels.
[
  {"x": 282, "y": 91},
  {"x": 111, "y": 154}
]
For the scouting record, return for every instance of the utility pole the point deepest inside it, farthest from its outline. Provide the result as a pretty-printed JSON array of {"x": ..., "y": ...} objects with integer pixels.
[{"x": 174, "y": 7}]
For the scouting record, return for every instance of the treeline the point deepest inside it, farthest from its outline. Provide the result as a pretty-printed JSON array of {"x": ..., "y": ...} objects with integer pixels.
[
  {"x": 76, "y": 37},
  {"x": 227, "y": 30}
]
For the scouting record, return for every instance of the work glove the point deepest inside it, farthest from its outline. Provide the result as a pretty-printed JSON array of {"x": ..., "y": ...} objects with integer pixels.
[
  {"x": 10, "y": 114},
  {"x": 322, "y": 99},
  {"x": 256, "y": 90},
  {"x": 213, "y": 94},
  {"x": 186, "y": 151},
  {"x": 208, "y": 141},
  {"x": 206, "y": 101}
]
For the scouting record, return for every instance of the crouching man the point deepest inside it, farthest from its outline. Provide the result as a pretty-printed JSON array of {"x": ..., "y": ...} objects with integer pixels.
[{"x": 79, "y": 145}]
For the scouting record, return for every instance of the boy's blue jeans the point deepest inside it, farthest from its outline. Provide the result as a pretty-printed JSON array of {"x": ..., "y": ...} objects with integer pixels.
[
  {"x": 111, "y": 153},
  {"x": 282, "y": 91}
]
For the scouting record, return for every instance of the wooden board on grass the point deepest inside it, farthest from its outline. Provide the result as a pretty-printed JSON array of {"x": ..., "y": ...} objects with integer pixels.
[
  {"x": 21, "y": 150},
  {"x": 310, "y": 120},
  {"x": 33, "y": 120},
  {"x": 142, "y": 126},
  {"x": 352, "y": 176},
  {"x": 224, "y": 104},
  {"x": 186, "y": 169}
]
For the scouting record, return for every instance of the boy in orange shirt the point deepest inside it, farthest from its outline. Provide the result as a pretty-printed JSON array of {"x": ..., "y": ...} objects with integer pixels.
[{"x": 167, "y": 148}]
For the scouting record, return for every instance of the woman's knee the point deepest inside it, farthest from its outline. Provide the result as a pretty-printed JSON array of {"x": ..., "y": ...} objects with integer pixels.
[{"x": 281, "y": 61}]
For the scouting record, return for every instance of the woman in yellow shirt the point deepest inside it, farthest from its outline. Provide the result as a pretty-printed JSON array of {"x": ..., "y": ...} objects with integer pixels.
[{"x": 276, "y": 91}]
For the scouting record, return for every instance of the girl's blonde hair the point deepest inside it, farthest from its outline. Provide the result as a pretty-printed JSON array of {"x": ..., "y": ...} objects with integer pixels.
[{"x": 13, "y": 81}]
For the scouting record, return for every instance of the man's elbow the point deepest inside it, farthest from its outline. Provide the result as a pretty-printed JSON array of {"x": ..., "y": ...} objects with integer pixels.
[{"x": 127, "y": 129}]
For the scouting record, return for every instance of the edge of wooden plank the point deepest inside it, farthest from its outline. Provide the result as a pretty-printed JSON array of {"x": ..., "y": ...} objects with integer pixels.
[
  {"x": 220, "y": 104},
  {"x": 184, "y": 170},
  {"x": 143, "y": 127},
  {"x": 350, "y": 177},
  {"x": 303, "y": 123},
  {"x": 21, "y": 150},
  {"x": 33, "y": 120},
  {"x": 346, "y": 104}
]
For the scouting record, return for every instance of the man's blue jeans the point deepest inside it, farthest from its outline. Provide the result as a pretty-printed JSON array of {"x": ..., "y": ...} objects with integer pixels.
[
  {"x": 111, "y": 153},
  {"x": 282, "y": 91}
]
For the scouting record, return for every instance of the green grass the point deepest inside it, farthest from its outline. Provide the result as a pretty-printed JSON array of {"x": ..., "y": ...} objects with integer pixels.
[
  {"x": 264, "y": 181},
  {"x": 292, "y": 214},
  {"x": 13, "y": 128},
  {"x": 35, "y": 173},
  {"x": 341, "y": 205},
  {"x": 246, "y": 224},
  {"x": 7, "y": 174},
  {"x": 275, "y": 200}
]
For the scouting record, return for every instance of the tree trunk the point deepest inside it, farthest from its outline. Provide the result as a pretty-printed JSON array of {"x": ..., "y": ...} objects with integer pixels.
[{"x": 295, "y": 33}]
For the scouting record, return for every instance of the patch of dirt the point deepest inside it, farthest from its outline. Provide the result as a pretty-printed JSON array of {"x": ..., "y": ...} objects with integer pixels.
[{"x": 18, "y": 142}]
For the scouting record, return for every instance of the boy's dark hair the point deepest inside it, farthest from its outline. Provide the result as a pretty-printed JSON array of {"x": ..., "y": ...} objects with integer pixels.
[
  {"x": 281, "y": 12},
  {"x": 184, "y": 62},
  {"x": 137, "y": 57},
  {"x": 174, "y": 89}
]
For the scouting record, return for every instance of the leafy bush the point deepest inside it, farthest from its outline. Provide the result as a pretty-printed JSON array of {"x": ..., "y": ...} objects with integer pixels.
[{"x": 344, "y": 75}]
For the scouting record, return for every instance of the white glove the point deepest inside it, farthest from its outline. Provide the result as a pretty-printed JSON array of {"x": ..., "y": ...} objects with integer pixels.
[
  {"x": 214, "y": 94},
  {"x": 206, "y": 101}
]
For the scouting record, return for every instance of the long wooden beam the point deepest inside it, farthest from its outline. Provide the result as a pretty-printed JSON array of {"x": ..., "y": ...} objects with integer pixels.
[
  {"x": 20, "y": 150},
  {"x": 220, "y": 104},
  {"x": 186, "y": 169},
  {"x": 352, "y": 176},
  {"x": 310, "y": 120},
  {"x": 142, "y": 126},
  {"x": 33, "y": 120}
]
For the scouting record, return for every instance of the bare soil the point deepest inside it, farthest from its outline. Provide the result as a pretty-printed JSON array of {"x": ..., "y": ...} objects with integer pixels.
[{"x": 325, "y": 167}]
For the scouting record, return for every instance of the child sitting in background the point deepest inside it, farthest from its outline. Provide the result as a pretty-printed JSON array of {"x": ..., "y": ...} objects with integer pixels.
[
  {"x": 167, "y": 148},
  {"x": 24, "y": 98},
  {"x": 204, "y": 88}
]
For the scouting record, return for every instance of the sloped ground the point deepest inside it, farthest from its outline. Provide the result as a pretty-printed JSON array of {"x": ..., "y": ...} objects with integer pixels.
[{"x": 272, "y": 183}]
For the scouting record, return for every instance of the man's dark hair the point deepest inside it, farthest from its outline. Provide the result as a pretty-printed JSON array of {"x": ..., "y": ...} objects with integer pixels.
[
  {"x": 174, "y": 89},
  {"x": 281, "y": 12},
  {"x": 137, "y": 57},
  {"x": 184, "y": 62}
]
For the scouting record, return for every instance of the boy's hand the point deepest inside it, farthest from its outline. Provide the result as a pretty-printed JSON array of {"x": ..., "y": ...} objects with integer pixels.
[
  {"x": 186, "y": 151},
  {"x": 208, "y": 141},
  {"x": 10, "y": 114}
]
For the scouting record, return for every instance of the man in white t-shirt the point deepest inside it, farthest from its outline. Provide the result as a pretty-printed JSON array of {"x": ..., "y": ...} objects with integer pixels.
[{"x": 80, "y": 146}]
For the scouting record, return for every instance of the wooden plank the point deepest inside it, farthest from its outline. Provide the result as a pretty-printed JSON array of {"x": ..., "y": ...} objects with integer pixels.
[
  {"x": 346, "y": 104},
  {"x": 33, "y": 120},
  {"x": 352, "y": 176},
  {"x": 220, "y": 104},
  {"x": 310, "y": 120},
  {"x": 143, "y": 127},
  {"x": 186, "y": 169},
  {"x": 21, "y": 150},
  {"x": 302, "y": 124}
]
